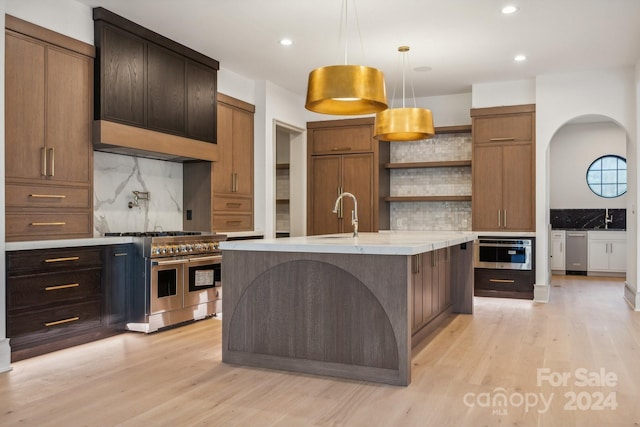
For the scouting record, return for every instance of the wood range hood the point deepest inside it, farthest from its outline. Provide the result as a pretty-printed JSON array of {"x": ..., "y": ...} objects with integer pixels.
[
  {"x": 153, "y": 97},
  {"x": 134, "y": 141}
]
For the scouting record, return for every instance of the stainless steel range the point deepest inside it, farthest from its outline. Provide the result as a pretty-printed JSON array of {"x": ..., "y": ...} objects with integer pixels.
[{"x": 177, "y": 279}]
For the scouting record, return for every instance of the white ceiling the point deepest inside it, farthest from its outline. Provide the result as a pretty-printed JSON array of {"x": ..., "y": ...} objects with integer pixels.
[{"x": 461, "y": 41}]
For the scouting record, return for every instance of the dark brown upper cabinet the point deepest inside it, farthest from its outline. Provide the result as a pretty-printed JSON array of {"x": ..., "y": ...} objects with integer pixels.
[{"x": 145, "y": 80}]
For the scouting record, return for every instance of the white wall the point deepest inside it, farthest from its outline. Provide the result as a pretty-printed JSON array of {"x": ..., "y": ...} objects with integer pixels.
[
  {"x": 497, "y": 94},
  {"x": 573, "y": 148},
  {"x": 276, "y": 106}
]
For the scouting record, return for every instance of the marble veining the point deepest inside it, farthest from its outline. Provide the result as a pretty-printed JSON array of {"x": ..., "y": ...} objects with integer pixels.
[
  {"x": 588, "y": 219},
  {"x": 117, "y": 176}
]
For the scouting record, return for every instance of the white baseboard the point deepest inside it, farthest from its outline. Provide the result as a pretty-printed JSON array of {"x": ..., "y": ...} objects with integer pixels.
[{"x": 5, "y": 355}]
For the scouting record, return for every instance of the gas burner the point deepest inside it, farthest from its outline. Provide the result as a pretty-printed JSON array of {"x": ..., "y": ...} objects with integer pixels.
[{"x": 152, "y": 233}]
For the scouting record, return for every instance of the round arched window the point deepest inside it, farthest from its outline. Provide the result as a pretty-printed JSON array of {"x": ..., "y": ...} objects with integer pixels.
[{"x": 607, "y": 176}]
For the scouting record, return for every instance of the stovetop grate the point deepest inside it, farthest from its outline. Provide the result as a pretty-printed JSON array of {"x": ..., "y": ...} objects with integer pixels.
[{"x": 152, "y": 233}]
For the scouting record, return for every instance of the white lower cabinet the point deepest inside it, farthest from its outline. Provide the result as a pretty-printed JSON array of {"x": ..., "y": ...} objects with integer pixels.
[
  {"x": 558, "y": 259},
  {"x": 607, "y": 251}
]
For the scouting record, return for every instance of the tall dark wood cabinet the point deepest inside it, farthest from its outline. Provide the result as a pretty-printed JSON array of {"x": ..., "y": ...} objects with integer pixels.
[
  {"x": 154, "y": 97},
  {"x": 344, "y": 157},
  {"x": 48, "y": 153},
  {"x": 149, "y": 81},
  {"x": 503, "y": 168}
]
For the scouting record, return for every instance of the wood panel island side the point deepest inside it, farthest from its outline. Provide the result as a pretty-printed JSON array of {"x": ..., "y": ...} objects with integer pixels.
[{"x": 342, "y": 306}]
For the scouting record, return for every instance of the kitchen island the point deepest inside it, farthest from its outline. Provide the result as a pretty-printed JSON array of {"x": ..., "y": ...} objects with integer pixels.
[{"x": 342, "y": 306}]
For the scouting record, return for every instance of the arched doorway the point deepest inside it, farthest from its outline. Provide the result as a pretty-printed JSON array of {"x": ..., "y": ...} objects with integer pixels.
[{"x": 574, "y": 206}]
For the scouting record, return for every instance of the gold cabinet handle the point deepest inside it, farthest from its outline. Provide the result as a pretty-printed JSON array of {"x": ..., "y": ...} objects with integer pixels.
[
  {"x": 234, "y": 222},
  {"x": 42, "y": 224},
  {"x": 71, "y": 258},
  {"x": 505, "y": 218},
  {"x": 341, "y": 149},
  {"x": 60, "y": 322},
  {"x": 234, "y": 205},
  {"x": 499, "y": 222},
  {"x": 120, "y": 254},
  {"x": 502, "y": 281},
  {"x": 503, "y": 139},
  {"x": 47, "y": 196},
  {"x": 58, "y": 287},
  {"x": 43, "y": 155},
  {"x": 53, "y": 158}
]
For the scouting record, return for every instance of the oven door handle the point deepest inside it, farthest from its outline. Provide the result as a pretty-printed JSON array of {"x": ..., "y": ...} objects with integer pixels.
[
  {"x": 206, "y": 258},
  {"x": 169, "y": 262}
]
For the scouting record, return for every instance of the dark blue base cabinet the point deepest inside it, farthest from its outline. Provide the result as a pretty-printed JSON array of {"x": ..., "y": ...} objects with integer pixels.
[{"x": 58, "y": 298}]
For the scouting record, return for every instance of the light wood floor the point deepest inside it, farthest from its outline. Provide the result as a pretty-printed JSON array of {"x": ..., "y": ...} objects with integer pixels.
[{"x": 175, "y": 377}]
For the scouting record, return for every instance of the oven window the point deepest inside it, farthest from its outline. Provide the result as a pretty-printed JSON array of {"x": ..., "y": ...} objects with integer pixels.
[
  {"x": 514, "y": 255},
  {"x": 204, "y": 276},
  {"x": 167, "y": 283}
]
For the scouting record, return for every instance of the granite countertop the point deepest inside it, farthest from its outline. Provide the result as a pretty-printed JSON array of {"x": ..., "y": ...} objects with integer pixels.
[{"x": 381, "y": 243}]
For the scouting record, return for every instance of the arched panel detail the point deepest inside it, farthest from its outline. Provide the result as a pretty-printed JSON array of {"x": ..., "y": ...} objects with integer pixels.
[{"x": 313, "y": 310}]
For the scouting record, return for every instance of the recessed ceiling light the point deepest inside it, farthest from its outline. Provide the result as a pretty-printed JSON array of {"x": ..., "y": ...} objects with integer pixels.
[
  {"x": 286, "y": 42},
  {"x": 509, "y": 9},
  {"x": 520, "y": 58}
]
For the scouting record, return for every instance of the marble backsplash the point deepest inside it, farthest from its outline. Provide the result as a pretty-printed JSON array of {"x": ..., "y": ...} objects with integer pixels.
[
  {"x": 117, "y": 176},
  {"x": 588, "y": 219}
]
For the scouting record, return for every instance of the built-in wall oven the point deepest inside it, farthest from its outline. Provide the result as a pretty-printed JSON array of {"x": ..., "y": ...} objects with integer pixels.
[{"x": 504, "y": 267}]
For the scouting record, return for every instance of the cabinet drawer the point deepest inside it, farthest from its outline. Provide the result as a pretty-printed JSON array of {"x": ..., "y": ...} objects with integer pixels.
[
  {"x": 233, "y": 222},
  {"x": 342, "y": 140},
  {"x": 504, "y": 280},
  {"x": 55, "y": 322},
  {"x": 27, "y": 291},
  {"x": 503, "y": 128},
  {"x": 232, "y": 204},
  {"x": 43, "y": 260},
  {"x": 42, "y": 196},
  {"x": 50, "y": 225}
]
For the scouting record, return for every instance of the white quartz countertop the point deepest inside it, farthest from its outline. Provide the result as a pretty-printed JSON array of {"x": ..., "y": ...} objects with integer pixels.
[
  {"x": 66, "y": 243},
  {"x": 381, "y": 243}
]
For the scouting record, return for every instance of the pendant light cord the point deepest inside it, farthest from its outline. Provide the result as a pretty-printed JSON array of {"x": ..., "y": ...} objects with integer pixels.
[{"x": 344, "y": 26}]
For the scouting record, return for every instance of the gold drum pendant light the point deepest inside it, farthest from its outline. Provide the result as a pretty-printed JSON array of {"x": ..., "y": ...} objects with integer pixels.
[
  {"x": 346, "y": 89},
  {"x": 404, "y": 124}
]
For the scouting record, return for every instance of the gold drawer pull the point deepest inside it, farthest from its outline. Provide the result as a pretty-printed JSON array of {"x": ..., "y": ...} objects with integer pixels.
[
  {"x": 341, "y": 149},
  {"x": 234, "y": 222},
  {"x": 42, "y": 224},
  {"x": 502, "y": 281},
  {"x": 234, "y": 205},
  {"x": 60, "y": 322},
  {"x": 71, "y": 258},
  {"x": 55, "y": 288},
  {"x": 503, "y": 139},
  {"x": 120, "y": 254},
  {"x": 47, "y": 196}
]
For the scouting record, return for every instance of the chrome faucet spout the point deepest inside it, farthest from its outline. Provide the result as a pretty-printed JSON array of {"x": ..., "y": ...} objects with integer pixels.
[{"x": 354, "y": 212}]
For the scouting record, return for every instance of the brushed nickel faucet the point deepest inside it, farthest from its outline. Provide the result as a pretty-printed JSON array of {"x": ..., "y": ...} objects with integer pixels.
[
  {"x": 608, "y": 219},
  {"x": 354, "y": 212}
]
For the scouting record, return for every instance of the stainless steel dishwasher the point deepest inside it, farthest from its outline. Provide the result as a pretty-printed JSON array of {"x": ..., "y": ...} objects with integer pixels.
[{"x": 576, "y": 254}]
